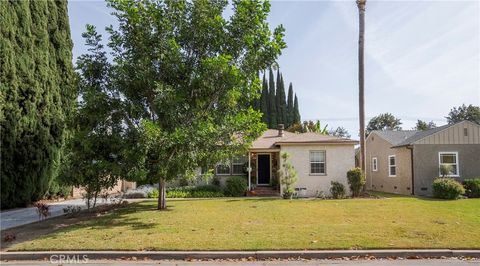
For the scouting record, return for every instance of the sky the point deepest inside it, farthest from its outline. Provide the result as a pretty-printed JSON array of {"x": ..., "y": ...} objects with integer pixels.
[{"x": 421, "y": 57}]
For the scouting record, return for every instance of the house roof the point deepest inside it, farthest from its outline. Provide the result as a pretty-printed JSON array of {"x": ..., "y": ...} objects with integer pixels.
[
  {"x": 399, "y": 138},
  {"x": 270, "y": 139},
  {"x": 395, "y": 137},
  {"x": 420, "y": 135}
]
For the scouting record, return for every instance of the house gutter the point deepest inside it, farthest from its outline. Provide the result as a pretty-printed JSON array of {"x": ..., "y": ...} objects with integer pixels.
[{"x": 410, "y": 147}]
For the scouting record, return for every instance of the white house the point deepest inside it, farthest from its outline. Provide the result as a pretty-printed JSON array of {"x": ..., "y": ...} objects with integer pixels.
[{"x": 318, "y": 160}]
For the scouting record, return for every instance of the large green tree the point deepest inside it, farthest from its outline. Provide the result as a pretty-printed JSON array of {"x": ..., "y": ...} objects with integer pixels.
[
  {"x": 461, "y": 113},
  {"x": 36, "y": 83},
  {"x": 188, "y": 77},
  {"x": 98, "y": 151},
  {"x": 384, "y": 121}
]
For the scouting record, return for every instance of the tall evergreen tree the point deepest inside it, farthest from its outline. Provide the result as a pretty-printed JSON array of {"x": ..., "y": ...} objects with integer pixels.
[
  {"x": 272, "y": 107},
  {"x": 280, "y": 99},
  {"x": 36, "y": 77},
  {"x": 264, "y": 102},
  {"x": 278, "y": 96},
  {"x": 290, "y": 115},
  {"x": 296, "y": 112},
  {"x": 283, "y": 102}
]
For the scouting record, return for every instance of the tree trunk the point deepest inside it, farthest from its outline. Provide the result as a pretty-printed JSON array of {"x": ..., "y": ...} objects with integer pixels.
[
  {"x": 161, "y": 195},
  {"x": 361, "y": 93}
]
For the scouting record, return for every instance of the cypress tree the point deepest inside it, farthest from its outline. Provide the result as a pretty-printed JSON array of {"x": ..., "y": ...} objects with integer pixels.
[
  {"x": 278, "y": 96},
  {"x": 36, "y": 77},
  {"x": 264, "y": 101},
  {"x": 272, "y": 108},
  {"x": 296, "y": 112},
  {"x": 283, "y": 103},
  {"x": 290, "y": 108}
]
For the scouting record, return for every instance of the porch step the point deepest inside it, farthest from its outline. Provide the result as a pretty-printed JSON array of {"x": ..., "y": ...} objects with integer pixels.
[{"x": 264, "y": 192}]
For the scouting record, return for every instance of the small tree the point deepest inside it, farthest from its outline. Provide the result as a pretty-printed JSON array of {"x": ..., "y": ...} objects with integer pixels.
[
  {"x": 356, "y": 181},
  {"x": 288, "y": 176}
]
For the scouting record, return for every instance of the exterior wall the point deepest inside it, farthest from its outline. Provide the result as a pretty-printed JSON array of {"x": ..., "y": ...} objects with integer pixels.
[
  {"x": 339, "y": 159},
  {"x": 426, "y": 163},
  {"x": 379, "y": 180},
  {"x": 455, "y": 135}
]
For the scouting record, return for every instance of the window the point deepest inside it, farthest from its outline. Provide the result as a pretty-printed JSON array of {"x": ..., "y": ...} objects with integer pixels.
[
  {"x": 374, "y": 164},
  {"x": 392, "y": 166},
  {"x": 448, "y": 161},
  {"x": 223, "y": 168},
  {"x": 238, "y": 165},
  {"x": 465, "y": 132},
  {"x": 317, "y": 162}
]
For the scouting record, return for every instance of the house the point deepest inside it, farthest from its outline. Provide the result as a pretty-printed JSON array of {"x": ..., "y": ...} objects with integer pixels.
[
  {"x": 318, "y": 159},
  {"x": 407, "y": 161}
]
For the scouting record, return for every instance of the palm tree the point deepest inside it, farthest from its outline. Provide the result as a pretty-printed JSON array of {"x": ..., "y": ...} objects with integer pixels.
[{"x": 361, "y": 96}]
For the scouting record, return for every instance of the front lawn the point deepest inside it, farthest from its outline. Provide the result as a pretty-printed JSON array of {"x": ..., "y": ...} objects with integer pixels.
[{"x": 268, "y": 224}]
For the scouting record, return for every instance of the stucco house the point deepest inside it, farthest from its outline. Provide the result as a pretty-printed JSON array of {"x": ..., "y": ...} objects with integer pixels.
[
  {"x": 318, "y": 160},
  {"x": 407, "y": 161}
]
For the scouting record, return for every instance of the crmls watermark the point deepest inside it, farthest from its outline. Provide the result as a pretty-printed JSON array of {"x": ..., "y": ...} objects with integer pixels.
[{"x": 72, "y": 259}]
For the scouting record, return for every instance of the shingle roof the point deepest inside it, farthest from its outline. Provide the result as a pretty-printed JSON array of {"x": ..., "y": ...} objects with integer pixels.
[
  {"x": 400, "y": 138},
  {"x": 270, "y": 139},
  {"x": 395, "y": 137},
  {"x": 311, "y": 137},
  {"x": 420, "y": 135}
]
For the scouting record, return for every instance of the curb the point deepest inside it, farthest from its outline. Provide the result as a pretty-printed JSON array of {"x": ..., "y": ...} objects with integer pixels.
[{"x": 259, "y": 255}]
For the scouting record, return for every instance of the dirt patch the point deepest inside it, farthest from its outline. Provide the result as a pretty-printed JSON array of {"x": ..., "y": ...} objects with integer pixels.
[{"x": 34, "y": 230}]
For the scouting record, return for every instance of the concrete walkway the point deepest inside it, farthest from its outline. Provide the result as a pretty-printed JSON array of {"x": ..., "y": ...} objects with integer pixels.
[{"x": 17, "y": 217}]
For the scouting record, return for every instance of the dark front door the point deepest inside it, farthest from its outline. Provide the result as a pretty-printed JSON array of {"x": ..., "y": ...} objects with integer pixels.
[{"x": 263, "y": 169}]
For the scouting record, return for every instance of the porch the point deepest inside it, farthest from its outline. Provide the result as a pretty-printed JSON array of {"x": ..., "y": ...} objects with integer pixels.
[{"x": 262, "y": 170}]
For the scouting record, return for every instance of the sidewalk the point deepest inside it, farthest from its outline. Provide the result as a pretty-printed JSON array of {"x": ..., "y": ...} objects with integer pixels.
[
  {"x": 17, "y": 217},
  {"x": 252, "y": 255}
]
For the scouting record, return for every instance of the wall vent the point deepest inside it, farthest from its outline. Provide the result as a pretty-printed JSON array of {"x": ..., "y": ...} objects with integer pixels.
[{"x": 423, "y": 188}]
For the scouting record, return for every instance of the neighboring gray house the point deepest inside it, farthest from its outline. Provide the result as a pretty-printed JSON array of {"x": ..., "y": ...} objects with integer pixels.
[{"x": 407, "y": 161}]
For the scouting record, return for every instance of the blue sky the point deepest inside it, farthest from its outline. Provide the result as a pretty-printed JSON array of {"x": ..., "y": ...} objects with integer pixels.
[{"x": 421, "y": 57}]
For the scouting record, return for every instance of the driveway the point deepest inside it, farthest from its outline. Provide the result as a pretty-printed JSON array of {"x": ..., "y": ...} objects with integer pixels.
[{"x": 17, "y": 217}]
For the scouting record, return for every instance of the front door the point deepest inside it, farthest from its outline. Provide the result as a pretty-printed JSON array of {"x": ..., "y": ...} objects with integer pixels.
[{"x": 263, "y": 164}]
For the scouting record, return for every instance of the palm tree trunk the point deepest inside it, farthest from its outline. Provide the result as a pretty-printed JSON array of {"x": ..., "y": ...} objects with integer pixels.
[
  {"x": 361, "y": 81},
  {"x": 162, "y": 195}
]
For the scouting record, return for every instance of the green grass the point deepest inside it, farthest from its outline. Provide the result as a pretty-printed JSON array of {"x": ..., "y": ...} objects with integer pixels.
[{"x": 269, "y": 224}]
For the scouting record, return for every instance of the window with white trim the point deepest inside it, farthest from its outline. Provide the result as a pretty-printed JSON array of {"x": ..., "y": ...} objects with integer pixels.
[
  {"x": 223, "y": 168},
  {"x": 449, "y": 160},
  {"x": 238, "y": 165},
  {"x": 392, "y": 166},
  {"x": 318, "y": 162},
  {"x": 374, "y": 164}
]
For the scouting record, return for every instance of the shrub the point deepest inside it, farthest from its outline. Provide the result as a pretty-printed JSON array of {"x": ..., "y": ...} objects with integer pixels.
[
  {"x": 447, "y": 188},
  {"x": 288, "y": 177},
  {"x": 236, "y": 186},
  {"x": 72, "y": 210},
  {"x": 337, "y": 190},
  {"x": 153, "y": 193},
  {"x": 216, "y": 181},
  {"x": 356, "y": 181},
  {"x": 472, "y": 187}
]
